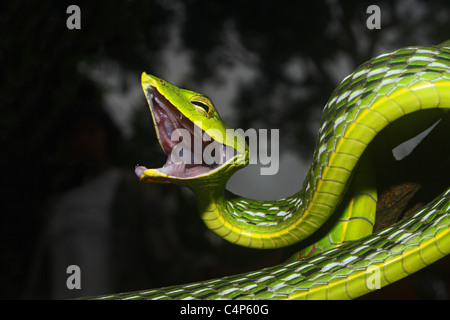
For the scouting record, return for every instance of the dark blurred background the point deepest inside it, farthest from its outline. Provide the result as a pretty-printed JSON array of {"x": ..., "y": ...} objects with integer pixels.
[{"x": 74, "y": 123}]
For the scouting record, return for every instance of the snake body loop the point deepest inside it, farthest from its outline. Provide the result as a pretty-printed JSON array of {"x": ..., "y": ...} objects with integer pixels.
[{"x": 390, "y": 87}]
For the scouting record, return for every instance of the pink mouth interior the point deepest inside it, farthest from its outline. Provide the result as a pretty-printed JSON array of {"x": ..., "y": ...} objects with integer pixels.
[{"x": 168, "y": 119}]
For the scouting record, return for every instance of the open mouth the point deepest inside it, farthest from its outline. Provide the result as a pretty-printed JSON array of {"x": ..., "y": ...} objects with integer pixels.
[{"x": 191, "y": 152}]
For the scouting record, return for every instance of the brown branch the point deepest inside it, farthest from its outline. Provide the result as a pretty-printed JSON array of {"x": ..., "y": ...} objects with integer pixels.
[{"x": 407, "y": 185}]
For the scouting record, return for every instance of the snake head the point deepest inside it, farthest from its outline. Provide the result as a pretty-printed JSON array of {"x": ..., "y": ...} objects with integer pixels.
[{"x": 199, "y": 146}]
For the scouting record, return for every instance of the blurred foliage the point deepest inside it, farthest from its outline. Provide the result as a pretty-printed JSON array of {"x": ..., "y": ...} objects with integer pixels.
[
  {"x": 41, "y": 80},
  {"x": 322, "y": 35},
  {"x": 297, "y": 50}
]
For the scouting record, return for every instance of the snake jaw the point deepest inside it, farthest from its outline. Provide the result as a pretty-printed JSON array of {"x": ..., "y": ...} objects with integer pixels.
[{"x": 169, "y": 121}]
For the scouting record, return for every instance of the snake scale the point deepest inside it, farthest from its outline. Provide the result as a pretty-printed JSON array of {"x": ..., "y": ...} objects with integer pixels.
[{"x": 350, "y": 260}]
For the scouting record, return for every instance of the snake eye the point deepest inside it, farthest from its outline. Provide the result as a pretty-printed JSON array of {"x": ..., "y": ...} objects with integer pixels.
[{"x": 201, "y": 105}]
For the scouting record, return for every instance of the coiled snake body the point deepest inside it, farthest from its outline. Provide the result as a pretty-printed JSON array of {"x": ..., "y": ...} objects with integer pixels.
[{"x": 411, "y": 84}]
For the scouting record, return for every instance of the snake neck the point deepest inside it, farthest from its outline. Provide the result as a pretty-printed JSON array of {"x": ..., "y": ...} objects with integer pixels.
[
  {"x": 380, "y": 94},
  {"x": 248, "y": 222}
]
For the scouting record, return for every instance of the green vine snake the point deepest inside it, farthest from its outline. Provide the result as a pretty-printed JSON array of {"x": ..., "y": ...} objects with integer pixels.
[{"x": 409, "y": 87}]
